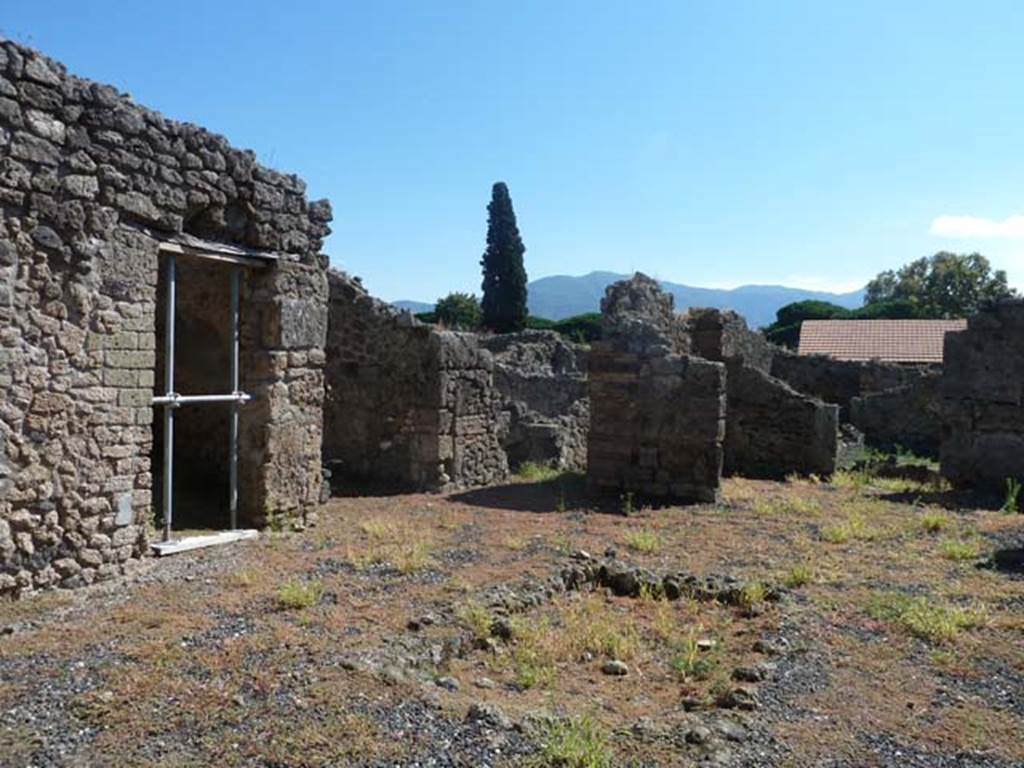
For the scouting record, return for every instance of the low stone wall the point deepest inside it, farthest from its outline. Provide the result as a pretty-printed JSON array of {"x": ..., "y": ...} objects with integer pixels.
[
  {"x": 909, "y": 417},
  {"x": 983, "y": 399},
  {"x": 542, "y": 379},
  {"x": 772, "y": 430},
  {"x": 657, "y": 416},
  {"x": 839, "y": 381},
  {"x": 408, "y": 406}
]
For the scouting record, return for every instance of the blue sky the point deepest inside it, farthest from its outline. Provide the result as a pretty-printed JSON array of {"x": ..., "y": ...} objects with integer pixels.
[{"x": 709, "y": 143}]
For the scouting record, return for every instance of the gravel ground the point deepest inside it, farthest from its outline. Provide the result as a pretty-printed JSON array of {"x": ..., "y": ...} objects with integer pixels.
[{"x": 383, "y": 656}]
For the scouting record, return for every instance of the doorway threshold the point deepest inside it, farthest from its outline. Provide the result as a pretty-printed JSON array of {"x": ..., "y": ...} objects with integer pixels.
[{"x": 163, "y": 548}]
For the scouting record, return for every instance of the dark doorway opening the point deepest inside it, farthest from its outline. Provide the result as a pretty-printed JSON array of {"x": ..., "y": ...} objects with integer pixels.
[{"x": 203, "y": 390}]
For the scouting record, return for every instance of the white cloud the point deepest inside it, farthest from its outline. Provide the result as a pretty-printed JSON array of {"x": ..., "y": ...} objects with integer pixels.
[{"x": 1011, "y": 227}]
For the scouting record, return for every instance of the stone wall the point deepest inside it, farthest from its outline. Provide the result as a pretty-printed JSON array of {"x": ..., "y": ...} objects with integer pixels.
[
  {"x": 983, "y": 399},
  {"x": 909, "y": 417},
  {"x": 408, "y": 406},
  {"x": 542, "y": 379},
  {"x": 839, "y": 381},
  {"x": 717, "y": 334},
  {"x": 771, "y": 429},
  {"x": 90, "y": 185},
  {"x": 657, "y": 415}
]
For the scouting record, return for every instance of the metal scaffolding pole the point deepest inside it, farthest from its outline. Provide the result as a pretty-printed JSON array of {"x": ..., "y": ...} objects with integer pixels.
[
  {"x": 169, "y": 408},
  {"x": 233, "y": 447},
  {"x": 175, "y": 400}
]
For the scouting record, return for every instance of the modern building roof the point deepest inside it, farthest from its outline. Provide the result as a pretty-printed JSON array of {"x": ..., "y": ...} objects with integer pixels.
[{"x": 896, "y": 341}]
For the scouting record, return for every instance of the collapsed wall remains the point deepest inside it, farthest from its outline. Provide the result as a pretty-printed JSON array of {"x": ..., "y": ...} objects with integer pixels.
[
  {"x": 94, "y": 190},
  {"x": 839, "y": 381},
  {"x": 907, "y": 417},
  {"x": 657, "y": 413},
  {"x": 408, "y": 406},
  {"x": 542, "y": 379},
  {"x": 771, "y": 429},
  {"x": 983, "y": 399}
]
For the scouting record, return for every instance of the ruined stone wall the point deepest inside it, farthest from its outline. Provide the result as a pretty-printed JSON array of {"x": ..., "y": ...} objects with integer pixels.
[
  {"x": 909, "y": 417},
  {"x": 657, "y": 416},
  {"x": 771, "y": 429},
  {"x": 717, "y": 334},
  {"x": 839, "y": 381},
  {"x": 89, "y": 184},
  {"x": 542, "y": 379},
  {"x": 983, "y": 399},
  {"x": 469, "y": 441},
  {"x": 408, "y": 406}
]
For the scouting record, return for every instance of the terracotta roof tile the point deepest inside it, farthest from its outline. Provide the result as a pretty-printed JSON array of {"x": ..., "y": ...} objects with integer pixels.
[{"x": 899, "y": 341}]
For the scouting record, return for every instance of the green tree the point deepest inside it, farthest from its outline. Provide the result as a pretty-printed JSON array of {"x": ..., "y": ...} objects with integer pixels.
[
  {"x": 458, "y": 310},
  {"x": 945, "y": 285},
  {"x": 504, "y": 286},
  {"x": 582, "y": 329},
  {"x": 786, "y": 328}
]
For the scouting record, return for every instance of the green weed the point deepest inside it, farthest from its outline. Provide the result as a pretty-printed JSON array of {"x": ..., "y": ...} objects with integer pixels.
[
  {"x": 536, "y": 473},
  {"x": 933, "y": 521},
  {"x": 574, "y": 743},
  {"x": 645, "y": 540},
  {"x": 922, "y": 617},
  {"x": 298, "y": 595},
  {"x": 1012, "y": 502},
  {"x": 799, "y": 575},
  {"x": 960, "y": 550}
]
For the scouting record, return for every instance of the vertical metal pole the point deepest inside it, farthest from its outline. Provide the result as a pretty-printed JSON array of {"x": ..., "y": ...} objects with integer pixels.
[
  {"x": 233, "y": 447},
  {"x": 169, "y": 408}
]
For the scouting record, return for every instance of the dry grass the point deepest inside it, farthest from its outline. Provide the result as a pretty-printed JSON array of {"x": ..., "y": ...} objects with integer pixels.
[
  {"x": 888, "y": 616},
  {"x": 405, "y": 544},
  {"x": 571, "y": 633}
]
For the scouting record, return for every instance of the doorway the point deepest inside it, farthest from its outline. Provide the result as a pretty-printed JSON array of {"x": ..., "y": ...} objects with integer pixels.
[{"x": 197, "y": 392}]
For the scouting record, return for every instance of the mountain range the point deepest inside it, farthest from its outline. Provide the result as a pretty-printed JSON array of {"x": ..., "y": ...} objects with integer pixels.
[{"x": 562, "y": 296}]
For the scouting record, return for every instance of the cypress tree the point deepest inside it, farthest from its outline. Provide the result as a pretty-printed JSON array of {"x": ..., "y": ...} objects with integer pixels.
[{"x": 504, "y": 287}]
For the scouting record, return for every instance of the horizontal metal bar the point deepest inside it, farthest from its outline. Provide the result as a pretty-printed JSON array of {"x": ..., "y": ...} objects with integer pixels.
[
  {"x": 226, "y": 258},
  {"x": 174, "y": 399}
]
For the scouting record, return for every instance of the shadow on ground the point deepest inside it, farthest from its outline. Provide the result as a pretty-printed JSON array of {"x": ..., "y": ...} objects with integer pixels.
[
  {"x": 1009, "y": 561},
  {"x": 951, "y": 500},
  {"x": 565, "y": 493}
]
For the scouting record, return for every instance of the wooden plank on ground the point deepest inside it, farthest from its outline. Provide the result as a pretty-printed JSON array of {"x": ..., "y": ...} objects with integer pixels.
[{"x": 163, "y": 548}]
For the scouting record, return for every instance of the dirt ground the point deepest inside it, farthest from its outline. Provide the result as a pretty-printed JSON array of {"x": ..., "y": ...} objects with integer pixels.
[{"x": 862, "y": 622}]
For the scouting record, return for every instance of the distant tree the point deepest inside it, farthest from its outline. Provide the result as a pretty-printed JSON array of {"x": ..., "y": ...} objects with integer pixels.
[
  {"x": 582, "y": 329},
  {"x": 458, "y": 310},
  {"x": 892, "y": 309},
  {"x": 810, "y": 309},
  {"x": 504, "y": 285},
  {"x": 785, "y": 331},
  {"x": 535, "y": 323},
  {"x": 579, "y": 329},
  {"x": 941, "y": 286}
]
